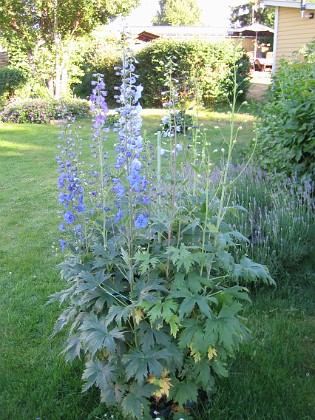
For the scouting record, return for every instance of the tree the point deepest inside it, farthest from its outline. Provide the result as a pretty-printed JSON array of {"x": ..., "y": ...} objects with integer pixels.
[
  {"x": 52, "y": 25},
  {"x": 178, "y": 13},
  {"x": 250, "y": 12}
]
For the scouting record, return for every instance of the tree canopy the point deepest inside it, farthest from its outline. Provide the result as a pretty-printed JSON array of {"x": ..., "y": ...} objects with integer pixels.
[
  {"x": 247, "y": 13},
  {"x": 34, "y": 20},
  {"x": 178, "y": 13},
  {"x": 44, "y": 30}
]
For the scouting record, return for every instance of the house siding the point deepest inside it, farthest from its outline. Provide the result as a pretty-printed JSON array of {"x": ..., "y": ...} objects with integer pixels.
[{"x": 293, "y": 31}]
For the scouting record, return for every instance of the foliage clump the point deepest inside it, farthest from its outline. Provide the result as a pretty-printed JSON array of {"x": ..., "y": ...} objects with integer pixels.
[
  {"x": 211, "y": 65},
  {"x": 41, "y": 111},
  {"x": 286, "y": 125},
  {"x": 45, "y": 32},
  {"x": 10, "y": 80},
  {"x": 178, "y": 13},
  {"x": 243, "y": 13}
]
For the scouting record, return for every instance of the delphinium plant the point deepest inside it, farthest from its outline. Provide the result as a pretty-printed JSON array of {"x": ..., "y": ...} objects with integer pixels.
[{"x": 154, "y": 294}]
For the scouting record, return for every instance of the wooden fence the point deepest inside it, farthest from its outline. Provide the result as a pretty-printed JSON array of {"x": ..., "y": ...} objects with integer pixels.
[{"x": 4, "y": 59}]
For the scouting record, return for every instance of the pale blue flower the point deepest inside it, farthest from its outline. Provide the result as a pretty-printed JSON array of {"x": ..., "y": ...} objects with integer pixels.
[
  {"x": 141, "y": 221},
  {"x": 119, "y": 216},
  {"x": 119, "y": 189},
  {"x": 62, "y": 244},
  {"x": 69, "y": 217}
]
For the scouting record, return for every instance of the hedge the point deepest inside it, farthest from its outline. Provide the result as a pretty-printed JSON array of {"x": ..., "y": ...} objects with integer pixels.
[{"x": 211, "y": 65}]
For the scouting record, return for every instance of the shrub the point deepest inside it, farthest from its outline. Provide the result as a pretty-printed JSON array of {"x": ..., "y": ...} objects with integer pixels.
[
  {"x": 73, "y": 107},
  {"x": 100, "y": 58},
  {"x": 209, "y": 65},
  {"x": 286, "y": 125},
  {"x": 10, "y": 79},
  {"x": 39, "y": 111},
  {"x": 83, "y": 89}
]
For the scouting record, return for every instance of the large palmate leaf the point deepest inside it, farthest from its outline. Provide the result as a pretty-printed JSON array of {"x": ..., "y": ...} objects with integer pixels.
[
  {"x": 201, "y": 372},
  {"x": 101, "y": 374},
  {"x": 237, "y": 292},
  {"x": 184, "y": 392},
  {"x": 103, "y": 256},
  {"x": 91, "y": 281},
  {"x": 136, "y": 403},
  {"x": 192, "y": 301},
  {"x": 163, "y": 310},
  {"x": 226, "y": 329},
  {"x": 219, "y": 367},
  {"x": 152, "y": 337},
  {"x": 64, "y": 319},
  {"x": 138, "y": 364},
  {"x": 117, "y": 314},
  {"x": 194, "y": 336},
  {"x": 145, "y": 261},
  {"x": 62, "y": 296},
  {"x": 144, "y": 289},
  {"x": 96, "y": 336},
  {"x": 182, "y": 256},
  {"x": 250, "y": 271},
  {"x": 74, "y": 347}
]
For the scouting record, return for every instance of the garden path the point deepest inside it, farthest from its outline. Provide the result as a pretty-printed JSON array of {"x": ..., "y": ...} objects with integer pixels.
[{"x": 259, "y": 84}]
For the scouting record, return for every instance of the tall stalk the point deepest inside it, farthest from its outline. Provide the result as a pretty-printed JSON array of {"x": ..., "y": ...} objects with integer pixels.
[
  {"x": 230, "y": 146},
  {"x": 171, "y": 105}
]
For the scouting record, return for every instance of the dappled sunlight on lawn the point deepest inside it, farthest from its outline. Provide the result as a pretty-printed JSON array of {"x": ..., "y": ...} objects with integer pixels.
[
  {"x": 225, "y": 116},
  {"x": 8, "y": 148},
  {"x": 152, "y": 112},
  {"x": 204, "y": 114}
]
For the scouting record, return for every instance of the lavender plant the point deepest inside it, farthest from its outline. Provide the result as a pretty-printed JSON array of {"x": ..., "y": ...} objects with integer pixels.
[
  {"x": 154, "y": 292},
  {"x": 279, "y": 217}
]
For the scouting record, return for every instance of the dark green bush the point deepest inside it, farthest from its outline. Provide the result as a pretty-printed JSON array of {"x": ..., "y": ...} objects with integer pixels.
[
  {"x": 209, "y": 65},
  {"x": 39, "y": 111},
  {"x": 99, "y": 58},
  {"x": 10, "y": 79},
  {"x": 83, "y": 89},
  {"x": 286, "y": 127}
]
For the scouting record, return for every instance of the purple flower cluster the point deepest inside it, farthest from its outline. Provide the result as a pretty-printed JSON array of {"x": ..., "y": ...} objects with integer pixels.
[
  {"x": 100, "y": 176},
  {"x": 71, "y": 195},
  {"x": 130, "y": 143},
  {"x": 119, "y": 195},
  {"x": 98, "y": 106}
]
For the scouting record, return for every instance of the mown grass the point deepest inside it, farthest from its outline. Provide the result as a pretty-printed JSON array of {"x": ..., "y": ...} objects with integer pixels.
[{"x": 272, "y": 377}]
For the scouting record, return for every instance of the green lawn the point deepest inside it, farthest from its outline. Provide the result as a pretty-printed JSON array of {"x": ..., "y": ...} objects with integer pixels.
[{"x": 271, "y": 378}]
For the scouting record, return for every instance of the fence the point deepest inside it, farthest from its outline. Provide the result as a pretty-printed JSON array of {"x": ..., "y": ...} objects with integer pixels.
[{"x": 4, "y": 59}]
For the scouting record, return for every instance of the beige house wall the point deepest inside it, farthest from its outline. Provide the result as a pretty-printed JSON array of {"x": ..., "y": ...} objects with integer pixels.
[{"x": 293, "y": 31}]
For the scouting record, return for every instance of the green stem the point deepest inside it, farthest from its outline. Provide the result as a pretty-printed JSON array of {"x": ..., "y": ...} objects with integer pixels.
[
  {"x": 221, "y": 211},
  {"x": 100, "y": 155},
  {"x": 158, "y": 170}
]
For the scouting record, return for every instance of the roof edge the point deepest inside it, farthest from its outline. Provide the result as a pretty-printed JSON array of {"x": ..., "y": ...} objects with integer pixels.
[{"x": 294, "y": 5}]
